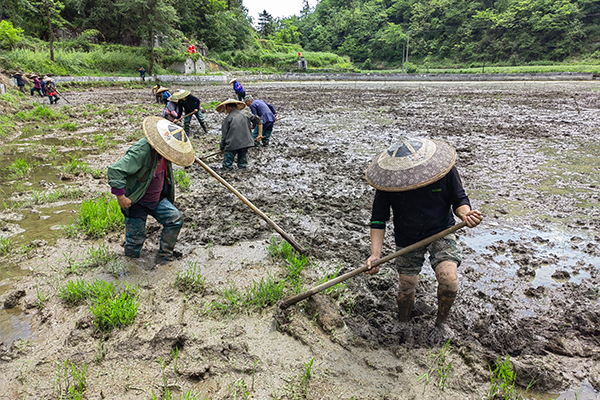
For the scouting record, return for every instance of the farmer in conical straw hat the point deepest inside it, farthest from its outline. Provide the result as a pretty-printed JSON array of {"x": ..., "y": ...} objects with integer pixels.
[
  {"x": 417, "y": 179},
  {"x": 190, "y": 106},
  {"x": 239, "y": 89},
  {"x": 144, "y": 185},
  {"x": 236, "y": 133}
]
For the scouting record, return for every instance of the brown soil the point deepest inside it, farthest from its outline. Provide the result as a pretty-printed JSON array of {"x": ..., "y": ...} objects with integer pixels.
[{"x": 529, "y": 283}]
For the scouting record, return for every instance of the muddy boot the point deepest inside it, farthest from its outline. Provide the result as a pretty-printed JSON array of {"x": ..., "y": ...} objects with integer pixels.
[
  {"x": 405, "y": 307},
  {"x": 440, "y": 334},
  {"x": 445, "y": 301},
  {"x": 406, "y": 333},
  {"x": 203, "y": 125}
]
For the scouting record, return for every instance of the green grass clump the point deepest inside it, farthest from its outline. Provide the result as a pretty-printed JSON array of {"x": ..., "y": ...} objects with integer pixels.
[
  {"x": 68, "y": 126},
  {"x": 114, "y": 310},
  {"x": 183, "y": 180},
  {"x": 280, "y": 249},
  {"x": 76, "y": 166},
  {"x": 71, "y": 381},
  {"x": 502, "y": 380},
  {"x": 63, "y": 193},
  {"x": 5, "y": 246},
  {"x": 98, "y": 217},
  {"x": 19, "y": 169},
  {"x": 7, "y": 125},
  {"x": 41, "y": 113},
  {"x": 265, "y": 293},
  {"x": 211, "y": 105},
  {"x": 336, "y": 290},
  {"x": 110, "y": 307},
  {"x": 190, "y": 281}
]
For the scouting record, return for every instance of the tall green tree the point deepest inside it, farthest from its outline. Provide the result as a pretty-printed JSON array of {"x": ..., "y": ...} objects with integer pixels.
[
  {"x": 152, "y": 17},
  {"x": 50, "y": 12},
  {"x": 266, "y": 25}
]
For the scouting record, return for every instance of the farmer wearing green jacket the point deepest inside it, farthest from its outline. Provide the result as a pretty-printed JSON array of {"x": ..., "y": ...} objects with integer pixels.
[{"x": 144, "y": 185}]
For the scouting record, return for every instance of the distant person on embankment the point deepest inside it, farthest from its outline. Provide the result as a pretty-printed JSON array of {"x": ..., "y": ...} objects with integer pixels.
[
  {"x": 417, "y": 179},
  {"x": 267, "y": 112},
  {"x": 142, "y": 72},
  {"x": 236, "y": 133},
  {"x": 143, "y": 182},
  {"x": 239, "y": 89}
]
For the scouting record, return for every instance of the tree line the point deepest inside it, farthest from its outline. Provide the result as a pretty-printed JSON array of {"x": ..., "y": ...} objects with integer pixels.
[{"x": 513, "y": 31}]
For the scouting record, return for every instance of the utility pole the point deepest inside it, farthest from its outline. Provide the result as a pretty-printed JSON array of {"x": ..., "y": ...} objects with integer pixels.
[
  {"x": 403, "y": 55},
  {"x": 407, "y": 39}
]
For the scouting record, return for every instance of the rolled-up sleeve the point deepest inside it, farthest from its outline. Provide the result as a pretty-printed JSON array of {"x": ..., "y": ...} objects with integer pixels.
[{"x": 381, "y": 210}]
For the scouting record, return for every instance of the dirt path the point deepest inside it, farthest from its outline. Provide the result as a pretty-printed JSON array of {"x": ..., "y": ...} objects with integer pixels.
[{"x": 529, "y": 284}]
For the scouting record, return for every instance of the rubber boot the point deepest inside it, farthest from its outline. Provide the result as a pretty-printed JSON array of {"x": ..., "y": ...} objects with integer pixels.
[
  {"x": 203, "y": 125},
  {"x": 135, "y": 236},
  {"x": 405, "y": 307},
  {"x": 445, "y": 301}
]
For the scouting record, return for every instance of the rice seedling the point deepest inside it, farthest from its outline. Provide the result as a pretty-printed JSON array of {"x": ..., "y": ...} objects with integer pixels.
[
  {"x": 50, "y": 196},
  {"x": 502, "y": 380},
  {"x": 280, "y": 249},
  {"x": 98, "y": 217},
  {"x": 114, "y": 310},
  {"x": 71, "y": 380},
  {"x": 76, "y": 167},
  {"x": 5, "y": 246},
  {"x": 19, "y": 169},
  {"x": 68, "y": 126},
  {"x": 440, "y": 366},
  {"x": 183, "y": 180},
  {"x": 191, "y": 280},
  {"x": 42, "y": 298}
]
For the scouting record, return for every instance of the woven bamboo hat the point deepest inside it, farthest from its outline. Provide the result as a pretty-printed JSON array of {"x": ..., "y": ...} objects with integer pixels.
[
  {"x": 221, "y": 107},
  {"x": 179, "y": 94},
  {"x": 411, "y": 163},
  {"x": 169, "y": 140},
  {"x": 233, "y": 80},
  {"x": 162, "y": 89}
]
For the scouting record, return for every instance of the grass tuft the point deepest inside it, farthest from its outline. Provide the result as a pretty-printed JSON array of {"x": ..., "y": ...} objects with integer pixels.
[
  {"x": 190, "y": 281},
  {"x": 97, "y": 217}
]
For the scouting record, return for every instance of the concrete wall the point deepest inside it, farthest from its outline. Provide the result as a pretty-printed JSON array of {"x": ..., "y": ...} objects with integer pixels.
[
  {"x": 552, "y": 76},
  {"x": 189, "y": 66},
  {"x": 162, "y": 78}
]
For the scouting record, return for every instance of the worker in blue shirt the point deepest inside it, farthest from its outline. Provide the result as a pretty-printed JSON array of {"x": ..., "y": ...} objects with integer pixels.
[
  {"x": 267, "y": 112},
  {"x": 239, "y": 89}
]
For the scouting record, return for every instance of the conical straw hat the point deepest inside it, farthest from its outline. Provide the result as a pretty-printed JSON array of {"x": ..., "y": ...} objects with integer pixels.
[
  {"x": 411, "y": 163},
  {"x": 179, "y": 94},
  {"x": 162, "y": 89},
  {"x": 169, "y": 140},
  {"x": 239, "y": 104}
]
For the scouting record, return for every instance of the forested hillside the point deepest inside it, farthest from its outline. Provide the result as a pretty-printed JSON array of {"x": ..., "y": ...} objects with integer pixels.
[{"x": 515, "y": 31}]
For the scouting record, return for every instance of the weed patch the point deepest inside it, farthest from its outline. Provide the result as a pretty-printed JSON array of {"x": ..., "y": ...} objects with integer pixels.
[
  {"x": 98, "y": 217},
  {"x": 190, "y": 281},
  {"x": 76, "y": 167},
  {"x": 183, "y": 180},
  {"x": 502, "y": 380},
  {"x": 68, "y": 126},
  {"x": 41, "y": 113},
  {"x": 19, "y": 169},
  {"x": 5, "y": 246},
  {"x": 71, "y": 381},
  {"x": 439, "y": 367}
]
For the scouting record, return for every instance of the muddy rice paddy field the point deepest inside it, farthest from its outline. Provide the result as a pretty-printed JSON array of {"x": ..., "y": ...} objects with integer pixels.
[{"x": 528, "y": 155}]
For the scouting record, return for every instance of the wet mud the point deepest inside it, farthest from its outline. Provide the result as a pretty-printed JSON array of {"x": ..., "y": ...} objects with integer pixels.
[{"x": 529, "y": 282}]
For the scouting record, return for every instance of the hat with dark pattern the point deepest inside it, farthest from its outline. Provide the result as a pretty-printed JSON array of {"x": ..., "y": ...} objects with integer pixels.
[
  {"x": 169, "y": 140},
  {"x": 411, "y": 163}
]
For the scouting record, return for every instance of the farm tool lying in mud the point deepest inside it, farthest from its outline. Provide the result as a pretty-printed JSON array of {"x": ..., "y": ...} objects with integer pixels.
[{"x": 295, "y": 299}]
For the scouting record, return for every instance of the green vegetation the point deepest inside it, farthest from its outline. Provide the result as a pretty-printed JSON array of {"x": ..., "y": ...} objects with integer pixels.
[
  {"x": 183, "y": 180},
  {"x": 336, "y": 290},
  {"x": 502, "y": 379},
  {"x": 191, "y": 280},
  {"x": 7, "y": 125},
  {"x": 5, "y": 246},
  {"x": 110, "y": 307},
  {"x": 19, "y": 169},
  {"x": 98, "y": 217},
  {"x": 68, "y": 126},
  {"x": 41, "y": 113},
  {"x": 71, "y": 381},
  {"x": 297, "y": 385},
  {"x": 76, "y": 166},
  {"x": 62, "y": 193},
  {"x": 41, "y": 298},
  {"x": 262, "y": 294},
  {"x": 439, "y": 367}
]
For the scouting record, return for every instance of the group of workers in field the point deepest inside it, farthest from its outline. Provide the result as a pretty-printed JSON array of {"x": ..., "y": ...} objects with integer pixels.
[
  {"x": 415, "y": 180},
  {"x": 43, "y": 87}
]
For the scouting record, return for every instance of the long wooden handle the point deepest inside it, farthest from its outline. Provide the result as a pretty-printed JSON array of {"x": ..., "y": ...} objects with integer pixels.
[
  {"x": 333, "y": 282},
  {"x": 287, "y": 237}
]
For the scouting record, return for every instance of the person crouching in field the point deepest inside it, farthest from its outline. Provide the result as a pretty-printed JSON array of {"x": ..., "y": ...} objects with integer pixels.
[
  {"x": 239, "y": 89},
  {"x": 236, "y": 133},
  {"x": 267, "y": 113}
]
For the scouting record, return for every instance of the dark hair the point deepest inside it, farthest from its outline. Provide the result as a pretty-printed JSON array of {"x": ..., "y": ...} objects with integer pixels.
[{"x": 231, "y": 105}]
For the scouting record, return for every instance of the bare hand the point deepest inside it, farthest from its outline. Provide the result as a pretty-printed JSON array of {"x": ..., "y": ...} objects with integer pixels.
[
  {"x": 195, "y": 111},
  {"x": 370, "y": 260},
  {"x": 258, "y": 138},
  {"x": 124, "y": 202},
  {"x": 175, "y": 120},
  {"x": 473, "y": 218}
]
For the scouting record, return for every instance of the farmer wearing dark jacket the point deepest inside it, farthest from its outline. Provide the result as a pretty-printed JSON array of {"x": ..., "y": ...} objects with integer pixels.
[
  {"x": 144, "y": 185},
  {"x": 20, "y": 81},
  {"x": 417, "y": 179},
  {"x": 267, "y": 112},
  {"x": 189, "y": 105},
  {"x": 236, "y": 133},
  {"x": 239, "y": 89}
]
